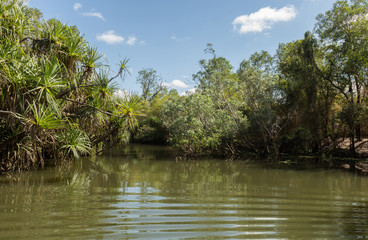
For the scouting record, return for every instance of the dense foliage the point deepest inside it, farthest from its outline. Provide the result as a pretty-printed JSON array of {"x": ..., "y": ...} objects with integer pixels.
[
  {"x": 56, "y": 96},
  {"x": 58, "y": 100},
  {"x": 303, "y": 100}
]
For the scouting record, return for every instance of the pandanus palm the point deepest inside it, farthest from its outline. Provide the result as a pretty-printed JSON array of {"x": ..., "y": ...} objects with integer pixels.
[
  {"x": 49, "y": 76},
  {"x": 44, "y": 117},
  {"x": 75, "y": 142},
  {"x": 55, "y": 32},
  {"x": 48, "y": 83},
  {"x": 13, "y": 20},
  {"x": 92, "y": 59},
  {"x": 73, "y": 52},
  {"x": 131, "y": 107},
  {"x": 102, "y": 87}
]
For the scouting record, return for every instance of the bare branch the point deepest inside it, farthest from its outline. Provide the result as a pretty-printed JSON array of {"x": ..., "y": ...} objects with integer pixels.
[{"x": 16, "y": 115}]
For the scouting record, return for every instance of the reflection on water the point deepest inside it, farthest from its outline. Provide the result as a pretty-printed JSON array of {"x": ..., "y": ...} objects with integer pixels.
[{"x": 142, "y": 192}]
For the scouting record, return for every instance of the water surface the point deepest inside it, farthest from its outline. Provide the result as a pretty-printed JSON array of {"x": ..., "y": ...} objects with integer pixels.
[{"x": 143, "y": 192}]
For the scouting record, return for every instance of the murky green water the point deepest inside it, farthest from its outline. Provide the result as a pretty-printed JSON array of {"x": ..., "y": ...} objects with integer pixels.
[{"x": 142, "y": 192}]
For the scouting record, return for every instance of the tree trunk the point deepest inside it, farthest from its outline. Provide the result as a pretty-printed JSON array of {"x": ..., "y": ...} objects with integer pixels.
[
  {"x": 352, "y": 141},
  {"x": 358, "y": 132},
  {"x": 358, "y": 125}
]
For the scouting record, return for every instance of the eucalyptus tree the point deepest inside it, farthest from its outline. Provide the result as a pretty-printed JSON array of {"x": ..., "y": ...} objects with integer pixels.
[
  {"x": 150, "y": 83},
  {"x": 217, "y": 80},
  {"x": 209, "y": 120},
  {"x": 151, "y": 128},
  {"x": 258, "y": 84},
  {"x": 197, "y": 127},
  {"x": 305, "y": 94},
  {"x": 343, "y": 35},
  {"x": 257, "y": 80}
]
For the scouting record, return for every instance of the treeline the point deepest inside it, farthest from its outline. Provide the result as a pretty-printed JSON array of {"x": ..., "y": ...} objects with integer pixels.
[
  {"x": 58, "y": 100},
  {"x": 56, "y": 96},
  {"x": 303, "y": 100}
]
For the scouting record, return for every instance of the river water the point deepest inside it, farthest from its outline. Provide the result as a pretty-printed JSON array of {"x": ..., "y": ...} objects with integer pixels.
[{"x": 142, "y": 192}]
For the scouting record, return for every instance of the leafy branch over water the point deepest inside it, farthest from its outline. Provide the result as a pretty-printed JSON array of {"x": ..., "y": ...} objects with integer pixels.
[{"x": 56, "y": 99}]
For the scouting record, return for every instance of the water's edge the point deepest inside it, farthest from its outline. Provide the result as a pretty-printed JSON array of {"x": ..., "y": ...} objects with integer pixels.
[{"x": 143, "y": 192}]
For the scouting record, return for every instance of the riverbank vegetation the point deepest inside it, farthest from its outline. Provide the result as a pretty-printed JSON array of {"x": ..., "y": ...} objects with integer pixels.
[
  {"x": 305, "y": 99},
  {"x": 57, "y": 97}
]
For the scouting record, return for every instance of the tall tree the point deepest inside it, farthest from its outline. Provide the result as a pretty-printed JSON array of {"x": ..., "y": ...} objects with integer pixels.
[
  {"x": 303, "y": 89},
  {"x": 150, "y": 82},
  {"x": 343, "y": 33},
  {"x": 257, "y": 80}
]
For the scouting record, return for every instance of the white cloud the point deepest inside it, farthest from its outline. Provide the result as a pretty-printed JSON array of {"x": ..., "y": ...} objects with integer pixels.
[
  {"x": 94, "y": 14},
  {"x": 110, "y": 37},
  {"x": 176, "y": 84},
  {"x": 132, "y": 40},
  {"x": 189, "y": 92},
  {"x": 77, "y": 6},
  {"x": 122, "y": 94},
  {"x": 175, "y": 38},
  {"x": 263, "y": 19}
]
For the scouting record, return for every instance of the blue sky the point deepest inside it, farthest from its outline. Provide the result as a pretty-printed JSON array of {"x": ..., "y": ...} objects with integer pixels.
[{"x": 170, "y": 35}]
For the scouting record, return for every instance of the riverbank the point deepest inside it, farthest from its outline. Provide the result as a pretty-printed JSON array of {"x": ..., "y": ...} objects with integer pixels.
[
  {"x": 344, "y": 159},
  {"x": 340, "y": 157}
]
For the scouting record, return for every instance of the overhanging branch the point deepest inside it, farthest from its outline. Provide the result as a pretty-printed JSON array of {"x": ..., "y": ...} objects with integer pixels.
[{"x": 88, "y": 105}]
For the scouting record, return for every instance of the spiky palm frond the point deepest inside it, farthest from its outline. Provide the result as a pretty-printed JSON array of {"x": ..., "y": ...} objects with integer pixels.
[
  {"x": 124, "y": 67},
  {"x": 73, "y": 52},
  {"x": 44, "y": 117},
  {"x": 92, "y": 58},
  {"x": 75, "y": 142},
  {"x": 55, "y": 31},
  {"x": 131, "y": 108},
  {"x": 103, "y": 88},
  {"x": 48, "y": 84},
  {"x": 13, "y": 21}
]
